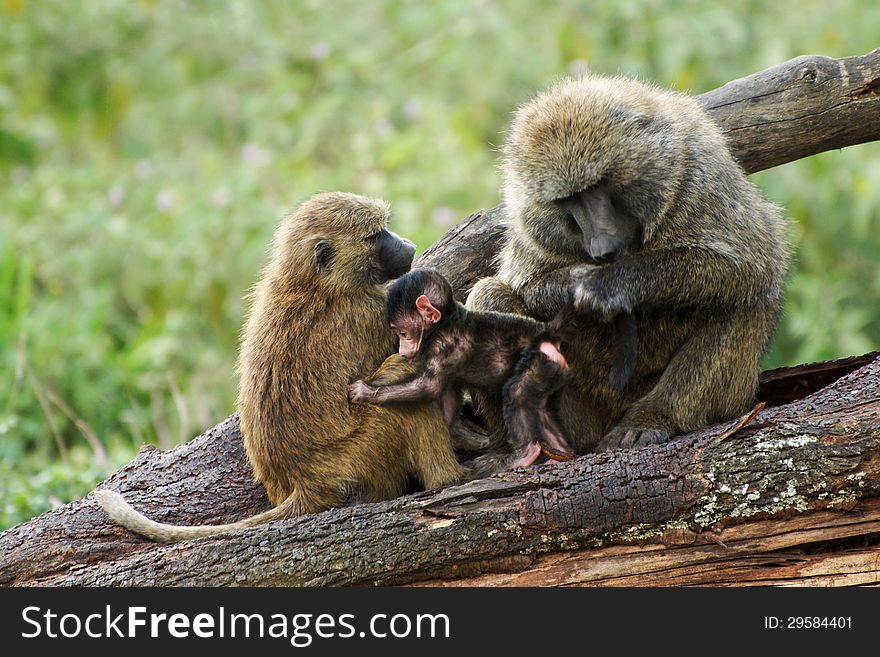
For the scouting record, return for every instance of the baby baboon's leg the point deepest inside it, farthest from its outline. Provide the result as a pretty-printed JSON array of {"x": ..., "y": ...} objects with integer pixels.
[
  {"x": 495, "y": 295},
  {"x": 538, "y": 375},
  {"x": 552, "y": 433},
  {"x": 554, "y": 376}
]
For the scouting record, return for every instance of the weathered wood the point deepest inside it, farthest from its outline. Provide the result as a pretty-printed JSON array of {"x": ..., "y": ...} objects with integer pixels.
[
  {"x": 805, "y": 106},
  {"x": 801, "y": 472},
  {"x": 762, "y": 552},
  {"x": 786, "y": 384},
  {"x": 467, "y": 251},
  {"x": 207, "y": 480}
]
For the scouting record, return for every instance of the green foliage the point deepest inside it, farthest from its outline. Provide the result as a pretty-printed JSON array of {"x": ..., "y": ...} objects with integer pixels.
[{"x": 147, "y": 150}]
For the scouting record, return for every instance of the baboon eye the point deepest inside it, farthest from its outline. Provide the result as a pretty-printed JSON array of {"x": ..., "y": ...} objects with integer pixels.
[{"x": 564, "y": 204}]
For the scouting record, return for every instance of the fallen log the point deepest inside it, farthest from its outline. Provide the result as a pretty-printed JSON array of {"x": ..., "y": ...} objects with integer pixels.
[
  {"x": 802, "y": 473},
  {"x": 792, "y": 496}
]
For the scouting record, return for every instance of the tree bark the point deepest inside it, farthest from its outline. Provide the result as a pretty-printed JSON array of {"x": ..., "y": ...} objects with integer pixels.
[
  {"x": 796, "y": 491},
  {"x": 798, "y": 474},
  {"x": 805, "y": 106}
]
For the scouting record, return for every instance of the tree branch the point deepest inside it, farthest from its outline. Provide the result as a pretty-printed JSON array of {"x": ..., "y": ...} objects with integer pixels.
[{"x": 805, "y": 106}]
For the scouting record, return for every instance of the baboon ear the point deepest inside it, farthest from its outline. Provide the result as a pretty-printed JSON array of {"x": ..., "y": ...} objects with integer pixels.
[
  {"x": 323, "y": 256},
  {"x": 427, "y": 310}
]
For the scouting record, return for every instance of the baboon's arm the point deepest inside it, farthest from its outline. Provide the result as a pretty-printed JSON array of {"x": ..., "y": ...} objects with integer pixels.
[
  {"x": 424, "y": 387},
  {"x": 672, "y": 278},
  {"x": 547, "y": 294}
]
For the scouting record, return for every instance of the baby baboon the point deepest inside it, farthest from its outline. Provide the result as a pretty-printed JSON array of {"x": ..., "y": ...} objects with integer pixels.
[
  {"x": 622, "y": 197},
  {"x": 315, "y": 324},
  {"x": 510, "y": 357}
]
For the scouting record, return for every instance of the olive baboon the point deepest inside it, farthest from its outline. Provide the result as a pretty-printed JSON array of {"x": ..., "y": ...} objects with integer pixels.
[
  {"x": 624, "y": 197},
  {"x": 508, "y": 356},
  {"x": 315, "y": 324}
]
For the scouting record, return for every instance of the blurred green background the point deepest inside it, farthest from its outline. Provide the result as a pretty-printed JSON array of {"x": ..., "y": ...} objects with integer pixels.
[{"x": 147, "y": 150}]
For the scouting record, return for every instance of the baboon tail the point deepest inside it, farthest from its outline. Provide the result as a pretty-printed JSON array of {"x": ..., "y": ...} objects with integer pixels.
[
  {"x": 122, "y": 513},
  {"x": 624, "y": 360}
]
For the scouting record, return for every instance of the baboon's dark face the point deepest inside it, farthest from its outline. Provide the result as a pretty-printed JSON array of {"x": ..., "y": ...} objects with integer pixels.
[
  {"x": 602, "y": 229},
  {"x": 373, "y": 259},
  {"x": 393, "y": 254},
  {"x": 589, "y": 168},
  {"x": 591, "y": 225},
  {"x": 349, "y": 236}
]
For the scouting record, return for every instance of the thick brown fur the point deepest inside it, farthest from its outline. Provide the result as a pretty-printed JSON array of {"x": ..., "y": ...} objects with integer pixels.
[
  {"x": 704, "y": 279},
  {"x": 311, "y": 330}
]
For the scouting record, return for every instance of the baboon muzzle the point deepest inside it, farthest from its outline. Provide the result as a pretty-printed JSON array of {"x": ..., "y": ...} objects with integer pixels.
[
  {"x": 395, "y": 253},
  {"x": 604, "y": 229}
]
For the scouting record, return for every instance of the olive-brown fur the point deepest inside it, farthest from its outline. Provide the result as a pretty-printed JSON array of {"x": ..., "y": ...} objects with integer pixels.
[
  {"x": 704, "y": 279},
  {"x": 315, "y": 325}
]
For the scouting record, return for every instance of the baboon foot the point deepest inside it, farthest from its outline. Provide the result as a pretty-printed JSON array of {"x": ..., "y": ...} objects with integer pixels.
[{"x": 627, "y": 437}]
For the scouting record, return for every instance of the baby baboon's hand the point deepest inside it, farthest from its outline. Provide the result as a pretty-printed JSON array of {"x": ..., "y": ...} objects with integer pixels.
[
  {"x": 589, "y": 295},
  {"x": 361, "y": 392}
]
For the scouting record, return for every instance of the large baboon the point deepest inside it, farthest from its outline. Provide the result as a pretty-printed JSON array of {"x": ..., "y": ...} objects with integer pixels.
[
  {"x": 315, "y": 325},
  {"x": 625, "y": 197}
]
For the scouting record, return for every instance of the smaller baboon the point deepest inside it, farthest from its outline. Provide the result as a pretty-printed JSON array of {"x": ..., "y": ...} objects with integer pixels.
[
  {"x": 315, "y": 324},
  {"x": 451, "y": 348}
]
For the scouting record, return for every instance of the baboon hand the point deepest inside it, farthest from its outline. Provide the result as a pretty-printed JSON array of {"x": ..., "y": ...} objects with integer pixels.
[
  {"x": 623, "y": 437},
  {"x": 589, "y": 295},
  {"x": 361, "y": 392}
]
